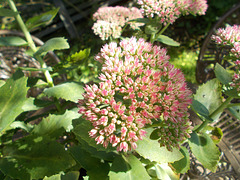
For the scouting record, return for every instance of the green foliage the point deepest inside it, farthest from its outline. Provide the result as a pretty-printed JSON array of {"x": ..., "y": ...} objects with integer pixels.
[
  {"x": 205, "y": 150},
  {"x": 70, "y": 91},
  {"x": 222, "y": 75},
  {"x": 7, "y": 12},
  {"x": 167, "y": 40},
  {"x": 183, "y": 165},
  {"x": 163, "y": 171},
  {"x": 52, "y": 44},
  {"x": 12, "y": 41},
  {"x": 34, "y": 157},
  {"x": 150, "y": 149},
  {"x": 209, "y": 96},
  {"x": 41, "y": 19},
  {"x": 127, "y": 167},
  {"x": 14, "y": 90}
]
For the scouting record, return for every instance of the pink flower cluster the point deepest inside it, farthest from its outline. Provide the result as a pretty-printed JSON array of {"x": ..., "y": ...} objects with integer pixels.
[
  {"x": 169, "y": 10},
  {"x": 138, "y": 87},
  {"x": 110, "y": 21},
  {"x": 229, "y": 36},
  {"x": 236, "y": 77}
]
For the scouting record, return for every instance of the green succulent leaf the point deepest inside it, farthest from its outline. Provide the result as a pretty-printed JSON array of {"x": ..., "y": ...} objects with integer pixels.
[
  {"x": 12, "y": 98},
  {"x": 35, "y": 157},
  {"x": 167, "y": 40},
  {"x": 12, "y": 41},
  {"x": 183, "y": 165},
  {"x": 199, "y": 108},
  {"x": 235, "y": 111},
  {"x": 222, "y": 75},
  {"x": 205, "y": 150},
  {"x": 127, "y": 167},
  {"x": 7, "y": 12},
  {"x": 163, "y": 171},
  {"x": 57, "y": 43},
  {"x": 73, "y": 175},
  {"x": 70, "y": 91},
  {"x": 53, "y": 124},
  {"x": 140, "y": 20},
  {"x": 22, "y": 125},
  {"x": 215, "y": 133},
  {"x": 150, "y": 149},
  {"x": 210, "y": 96},
  {"x": 42, "y": 19},
  {"x": 94, "y": 167}
]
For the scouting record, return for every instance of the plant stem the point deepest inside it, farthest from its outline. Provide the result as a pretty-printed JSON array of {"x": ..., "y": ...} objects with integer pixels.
[
  {"x": 215, "y": 113},
  {"x": 163, "y": 29},
  {"x": 31, "y": 44}
]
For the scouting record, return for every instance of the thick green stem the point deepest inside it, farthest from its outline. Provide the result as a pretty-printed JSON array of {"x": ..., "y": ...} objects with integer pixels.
[
  {"x": 163, "y": 29},
  {"x": 215, "y": 113},
  {"x": 30, "y": 41}
]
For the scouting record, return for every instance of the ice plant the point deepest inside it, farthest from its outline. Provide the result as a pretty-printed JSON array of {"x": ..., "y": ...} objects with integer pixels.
[
  {"x": 167, "y": 11},
  {"x": 138, "y": 88},
  {"x": 236, "y": 77},
  {"x": 229, "y": 36},
  {"x": 109, "y": 21}
]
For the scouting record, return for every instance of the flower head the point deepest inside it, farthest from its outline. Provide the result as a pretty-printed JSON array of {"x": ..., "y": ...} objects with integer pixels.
[
  {"x": 229, "y": 36},
  {"x": 138, "y": 87},
  {"x": 109, "y": 21},
  {"x": 167, "y": 11}
]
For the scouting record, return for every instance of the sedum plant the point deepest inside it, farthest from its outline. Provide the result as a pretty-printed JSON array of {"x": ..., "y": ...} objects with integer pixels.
[{"x": 130, "y": 124}]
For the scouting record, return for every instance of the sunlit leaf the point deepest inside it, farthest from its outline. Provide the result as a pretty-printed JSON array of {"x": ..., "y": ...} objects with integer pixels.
[
  {"x": 22, "y": 125},
  {"x": 127, "y": 167},
  {"x": 58, "y": 43},
  {"x": 163, "y": 171},
  {"x": 53, "y": 123},
  {"x": 210, "y": 96},
  {"x": 70, "y": 91},
  {"x": 167, "y": 40},
  {"x": 150, "y": 149},
  {"x": 222, "y": 75},
  {"x": 215, "y": 133},
  {"x": 73, "y": 175},
  {"x": 12, "y": 97},
  {"x": 205, "y": 150}
]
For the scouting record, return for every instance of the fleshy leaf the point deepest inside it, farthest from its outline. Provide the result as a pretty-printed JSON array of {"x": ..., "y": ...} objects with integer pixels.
[
  {"x": 150, "y": 149},
  {"x": 140, "y": 20},
  {"x": 7, "y": 12},
  {"x": 35, "y": 157},
  {"x": 235, "y": 111},
  {"x": 199, "y": 108},
  {"x": 183, "y": 165},
  {"x": 222, "y": 75},
  {"x": 22, "y": 125},
  {"x": 163, "y": 171},
  {"x": 94, "y": 167},
  {"x": 73, "y": 175},
  {"x": 12, "y": 97},
  {"x": 71, "y": 91},
  {"x": 53, "y": 123},
  {"x": 167, "y": 40},
  {"x": 12, "y": 41},
  {"x": 209, "y": 95},
  {"x": 128, "y": 167},
  {"x": 42, "y": 19},
  {"x": 58, "y": 43},
  {"x": 205, "y": 150}
]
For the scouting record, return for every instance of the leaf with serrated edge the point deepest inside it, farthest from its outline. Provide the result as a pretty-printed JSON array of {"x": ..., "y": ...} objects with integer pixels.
[
  {"x": 58, "y": 43},
  {"x": 13, "y": 95},
  {"x": 128, "y": 167},
  {"x": 150, "y": 149},
  {"x": 35, "y": 157},
  {"x": 205, "y": 150},
  {"x": 52, "y": 123},
  {"x": 209, "y": 95},
  {"x": 71, "y": 91},
  {"x": 183, "y": 165}
]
